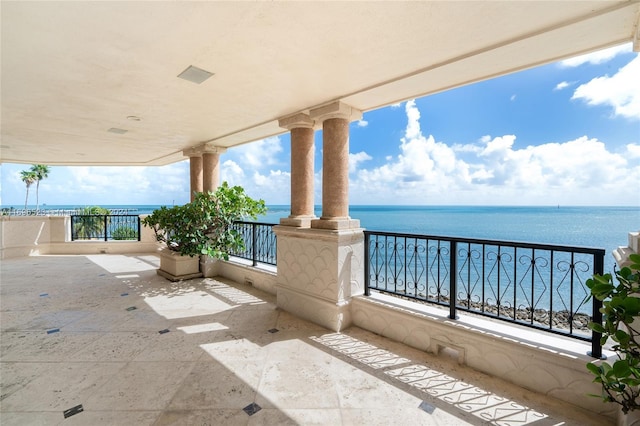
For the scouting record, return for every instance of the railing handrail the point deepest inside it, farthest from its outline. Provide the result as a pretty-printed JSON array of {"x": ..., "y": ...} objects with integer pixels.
[
  {"x": 6, "y": 211},
  {"x": 249, "y": 222},
  {"x": 520, "y": 244},
  {"x": 112, "y": 215}
]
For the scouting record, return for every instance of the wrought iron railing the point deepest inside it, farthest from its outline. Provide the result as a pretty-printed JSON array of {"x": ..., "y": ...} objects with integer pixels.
[
  {"x": 536, "y": 285},
  {"x": 105, "y": 227},
  {"x": 259, "y": 242}
]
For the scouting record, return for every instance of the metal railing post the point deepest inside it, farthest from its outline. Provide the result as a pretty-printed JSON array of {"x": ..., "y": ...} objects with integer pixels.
[
  {"x": 254, "y": 237},
  {"x": 367, "y": 292},
  {"x": 453, "y": 277},
  {"x": 139, "y": 236},
  {"x": 596, "y": 347},
  {"x": 105, "y": 227}
]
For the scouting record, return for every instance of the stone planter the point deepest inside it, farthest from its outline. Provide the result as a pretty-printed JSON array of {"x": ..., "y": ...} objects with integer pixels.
[
  {"x": 630, "y": 419},
  {"x": 176, "y": 267},
  {"x": 209, "y": 266}
]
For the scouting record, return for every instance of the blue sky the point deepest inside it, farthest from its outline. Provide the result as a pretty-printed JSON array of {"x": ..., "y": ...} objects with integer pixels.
[{"x": 565, "y": 133}]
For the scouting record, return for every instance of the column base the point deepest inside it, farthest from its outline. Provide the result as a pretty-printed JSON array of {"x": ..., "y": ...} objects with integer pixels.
[
  {"x": 319, "y": 272},
  {"x": 335, "y": 316},
  {"x": 297, "y": 221},
  {"x": 335, "y": 223}
]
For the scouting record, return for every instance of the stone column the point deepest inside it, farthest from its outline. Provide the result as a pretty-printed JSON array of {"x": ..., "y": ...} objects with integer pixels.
[
  {"x": 195, "y": 171},
  {"x": 321, "y": 268},
  {"x": 302, "y": 156},
  {"x": 211, "y": 168},
  {"x": 335, "y": 120}
]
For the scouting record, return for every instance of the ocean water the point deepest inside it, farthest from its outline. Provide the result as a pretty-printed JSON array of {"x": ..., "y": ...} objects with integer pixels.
[{"x": 597, "y": 227}]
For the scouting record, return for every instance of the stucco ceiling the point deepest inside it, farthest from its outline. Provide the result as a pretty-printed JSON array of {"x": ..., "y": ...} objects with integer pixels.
[{"x": 73, "y": 70}]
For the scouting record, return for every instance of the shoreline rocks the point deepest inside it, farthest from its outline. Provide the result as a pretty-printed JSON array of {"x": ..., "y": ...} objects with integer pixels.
[{"x": 540, "y": 317}]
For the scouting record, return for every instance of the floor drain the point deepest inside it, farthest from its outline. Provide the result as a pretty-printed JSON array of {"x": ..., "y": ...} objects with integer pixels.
[
  {"x": 44, "y": 294},
  {"x": 252, "y": 408},
  {"x": 166, "y": 330},
  {"x": 124, "y": 294},
  {"x": 53, "y": 330},
  {"x": 273, "y": 330},
  {"x": 72, "y": 411},
  {"x": 426, "y": 407},
  {"x": 131, "y": 308}
]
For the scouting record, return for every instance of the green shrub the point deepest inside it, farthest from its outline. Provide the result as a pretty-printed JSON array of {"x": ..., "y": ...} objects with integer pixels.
[
  {"x": 203, "y": 226},
  {"x": 124, "y": 232},
  {"x": 621, "y": 310}
]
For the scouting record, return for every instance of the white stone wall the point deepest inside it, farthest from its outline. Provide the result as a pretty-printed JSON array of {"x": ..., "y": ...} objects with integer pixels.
[
  {"x": 24, "y": 236},
  {"x": 37, "y": 235},
  {"x": 263, "y": 277}
]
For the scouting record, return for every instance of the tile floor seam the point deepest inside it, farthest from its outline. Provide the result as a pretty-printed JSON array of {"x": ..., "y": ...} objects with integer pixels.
[{"x": 179, "y": 388}]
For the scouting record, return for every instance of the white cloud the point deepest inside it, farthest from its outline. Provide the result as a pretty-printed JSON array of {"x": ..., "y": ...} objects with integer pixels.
[
  {"x": 258, "y": 154},
  {"x": 89, "y": 185},
  {"x": 275, "y": 186},
  {"x": 172, "y": 181},
  {"x": 231, "y": 172},
  {"x": 254, "y": 166},
  {"x": 513, "y": 98},
  {"x": 355, "y": 159},
  {"x": 362, "y": 123},
  {"x": 562, "y": 85},
  {"x": 398, "y": 105},
  {"x": 621, "y": 91},
  {"x": 598, "y": 57},
  {"x": 579, "y": 172},
  {"x": 633, "y": 151}
]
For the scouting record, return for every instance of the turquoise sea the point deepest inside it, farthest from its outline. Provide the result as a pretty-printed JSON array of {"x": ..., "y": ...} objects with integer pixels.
[{"x": 598, "y": 227}]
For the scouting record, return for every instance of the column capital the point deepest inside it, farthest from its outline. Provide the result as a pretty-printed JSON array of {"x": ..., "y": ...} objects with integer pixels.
[
  {"x": 213, "y": 149},
  {"x": 197, "y": 151},
  {"x": 192, "y": 152},
  {"x": 295, "y": 121},
  {"x": 335, "y": 110}
]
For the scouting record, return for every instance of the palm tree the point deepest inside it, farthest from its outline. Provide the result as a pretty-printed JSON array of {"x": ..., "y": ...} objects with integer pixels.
[
  {"x": 41, "y": 172},
  {"x": 89, "y": 223},
  {"x": 28, "y": 177}
]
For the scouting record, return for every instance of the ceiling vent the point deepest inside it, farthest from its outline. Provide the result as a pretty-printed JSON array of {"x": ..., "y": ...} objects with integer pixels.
[
  {"x": 195, "y": 74},
  {"x": 118, "y": 131}
]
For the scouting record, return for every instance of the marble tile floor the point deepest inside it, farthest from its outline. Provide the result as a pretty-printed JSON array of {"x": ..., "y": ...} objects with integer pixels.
[{"x": 104, "y": 340}]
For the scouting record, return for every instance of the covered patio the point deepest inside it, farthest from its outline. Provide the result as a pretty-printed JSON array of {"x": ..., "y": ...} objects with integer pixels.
[
  {"x": 152, "y": 83},
  {"x": 130, "y": 347}
]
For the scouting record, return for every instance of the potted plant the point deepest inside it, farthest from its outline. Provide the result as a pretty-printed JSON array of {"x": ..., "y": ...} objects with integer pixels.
[
  {"x": 202, "y": 227},
  {"x": 620, "y": 381}
]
